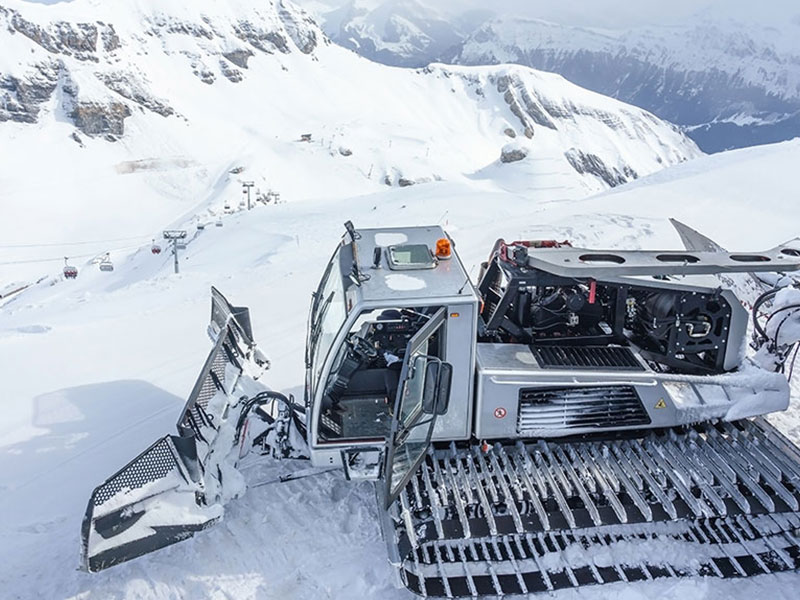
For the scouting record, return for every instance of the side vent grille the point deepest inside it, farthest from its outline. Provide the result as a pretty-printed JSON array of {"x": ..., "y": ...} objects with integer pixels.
[
  {"x": 586, "y": 357},
  {"x": 579, "y": 408}
]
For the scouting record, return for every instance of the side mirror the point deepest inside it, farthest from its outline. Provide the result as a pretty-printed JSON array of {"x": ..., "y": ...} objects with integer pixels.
[
  {"x": 436, "y": 393},
  {"x": 443, "y": 389}
]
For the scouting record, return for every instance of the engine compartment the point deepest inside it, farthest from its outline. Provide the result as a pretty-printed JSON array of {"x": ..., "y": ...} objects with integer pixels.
[{"x": 676, "y": 327}]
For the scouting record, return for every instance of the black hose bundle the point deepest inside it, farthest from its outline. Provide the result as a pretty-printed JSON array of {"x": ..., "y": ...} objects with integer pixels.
[
  {"x": 262, "y": 398},
  {"x": 762, "y": 337}
]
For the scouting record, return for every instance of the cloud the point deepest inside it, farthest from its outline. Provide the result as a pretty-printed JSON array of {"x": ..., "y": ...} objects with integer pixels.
[{"x": 612, "y": 14}]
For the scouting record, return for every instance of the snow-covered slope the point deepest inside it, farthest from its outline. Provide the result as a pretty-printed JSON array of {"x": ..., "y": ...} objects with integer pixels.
[
  {"x": 149, "y": 112},
  {"x": 96, "y": 368},
  {"x": 730, "y": 74}
]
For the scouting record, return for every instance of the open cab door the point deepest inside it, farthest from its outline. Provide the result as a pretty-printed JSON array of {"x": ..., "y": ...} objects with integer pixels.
[{"x": 422, "y": 394}]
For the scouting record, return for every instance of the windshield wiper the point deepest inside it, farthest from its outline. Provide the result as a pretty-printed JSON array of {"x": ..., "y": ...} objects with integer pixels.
[
  {"x": 317, "y": 327},
  {"x": 316, "y": 295}
]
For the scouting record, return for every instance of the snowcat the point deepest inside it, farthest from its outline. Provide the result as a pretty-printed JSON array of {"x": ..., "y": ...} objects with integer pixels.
[{"x": 578, "y": 417}]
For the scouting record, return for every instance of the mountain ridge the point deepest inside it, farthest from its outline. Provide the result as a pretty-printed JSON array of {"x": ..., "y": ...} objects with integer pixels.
[{"x": 727, "y": 82}]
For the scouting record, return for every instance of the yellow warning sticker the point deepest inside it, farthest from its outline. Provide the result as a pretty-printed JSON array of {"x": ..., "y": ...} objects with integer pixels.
[{"x": 661, "y": 403}]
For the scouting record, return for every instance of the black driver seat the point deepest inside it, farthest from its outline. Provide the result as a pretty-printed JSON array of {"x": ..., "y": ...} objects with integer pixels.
[
  {"x": 374, "y": 382},
  {"x": 366, "y": 406}
]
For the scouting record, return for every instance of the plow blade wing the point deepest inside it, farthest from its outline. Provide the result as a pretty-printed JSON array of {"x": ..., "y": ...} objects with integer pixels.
[
  {"x": 174, "y": 488},
  {"x": 151, "y": 503}
]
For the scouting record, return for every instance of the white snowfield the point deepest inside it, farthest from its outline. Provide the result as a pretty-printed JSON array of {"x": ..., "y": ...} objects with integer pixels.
[
  {"x": 96, "y": 369},
  {"x": 370, "y": 125}
]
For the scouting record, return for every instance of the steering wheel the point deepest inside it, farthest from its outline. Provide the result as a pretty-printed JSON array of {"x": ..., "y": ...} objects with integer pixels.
[{"x": 362, "y": 348}]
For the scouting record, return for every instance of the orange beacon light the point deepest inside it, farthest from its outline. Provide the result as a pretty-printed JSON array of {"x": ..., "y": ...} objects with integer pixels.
[{"x": 443, "y": 249}]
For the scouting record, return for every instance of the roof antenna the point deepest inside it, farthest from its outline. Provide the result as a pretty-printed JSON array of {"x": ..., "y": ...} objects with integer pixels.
[{"x": 461, "y": 289}]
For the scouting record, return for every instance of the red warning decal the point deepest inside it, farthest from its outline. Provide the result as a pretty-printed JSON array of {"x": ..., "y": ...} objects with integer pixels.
[{"x": 500, "y": 412}]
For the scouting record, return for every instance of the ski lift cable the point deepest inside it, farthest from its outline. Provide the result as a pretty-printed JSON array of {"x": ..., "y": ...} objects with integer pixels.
[
  {"x": 60, "y": 258},
  {"x": 58, "y": 244}
]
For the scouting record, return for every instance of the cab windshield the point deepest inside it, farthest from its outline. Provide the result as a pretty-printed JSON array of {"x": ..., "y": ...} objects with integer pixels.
[{"x": 328, "y": 316}]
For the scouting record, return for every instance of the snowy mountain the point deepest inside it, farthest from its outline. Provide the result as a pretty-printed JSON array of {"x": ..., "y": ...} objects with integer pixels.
[
  {"x": 729, "y": 84},
  {"x": 154, "y": 113},
  {"x": 403, "y": 33},
  {"x": 730, "y": 77}
]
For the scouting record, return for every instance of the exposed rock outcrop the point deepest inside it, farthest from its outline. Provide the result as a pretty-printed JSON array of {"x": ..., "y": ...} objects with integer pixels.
[
  {"x": 265, "y": 40},
  {"x": 239, "y": 57},
  {"x": 94, "y": 118},
  {"x": 230, "y": 72},
  {"x": 79, "y": 40},
  {"x": 129, "y": 86},
  {"x": 22, "y": 97},
  {"x": 161, "y": 25},
  {"x": 512, "y": 153},
  {"x": 300, "y": 27},
  {"x": 587, "y": 163},
  {"x": 216, "y": 50},
  {"x": 523, "y": 105}
]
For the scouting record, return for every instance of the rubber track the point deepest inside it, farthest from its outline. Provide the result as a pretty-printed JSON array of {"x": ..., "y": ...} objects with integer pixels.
[{"x": 524, "y": 518}]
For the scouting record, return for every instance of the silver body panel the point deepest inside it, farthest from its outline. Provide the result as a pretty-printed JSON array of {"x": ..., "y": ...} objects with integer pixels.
[
  {"x": 669, "y": 400},
  {"x": 448, "y": 279},
  {"x": 601, "y": 264}
]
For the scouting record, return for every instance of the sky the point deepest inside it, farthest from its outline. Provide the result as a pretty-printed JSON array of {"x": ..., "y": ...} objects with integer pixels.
[
  {"x": 609, "y": 13},
  {"x": 612, "y": 14}
]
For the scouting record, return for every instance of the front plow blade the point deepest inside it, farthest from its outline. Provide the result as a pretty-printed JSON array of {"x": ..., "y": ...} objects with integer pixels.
[
  {"x": 175, "y": 487},
  {"x": 150, "y": 503}
]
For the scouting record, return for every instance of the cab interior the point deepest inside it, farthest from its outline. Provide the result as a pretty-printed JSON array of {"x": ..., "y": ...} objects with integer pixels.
[{"x": 362, "y": 385}]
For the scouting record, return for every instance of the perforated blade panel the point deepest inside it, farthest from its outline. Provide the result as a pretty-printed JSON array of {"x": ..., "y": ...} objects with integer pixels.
[
  {"x": 212, "y": 380},
  {"x": 586, "y": 357},
  {"x": 153, "y": 464},
  {"x": 160, "y": 497},
  {"x": 573, "y": 408},
  {"x": 224, "y": 360}
]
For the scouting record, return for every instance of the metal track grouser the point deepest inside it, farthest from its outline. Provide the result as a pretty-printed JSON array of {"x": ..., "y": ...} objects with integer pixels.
[{"x": 578, "y": 417}]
